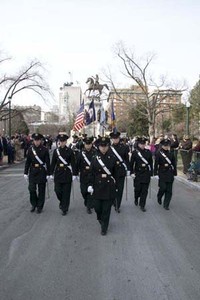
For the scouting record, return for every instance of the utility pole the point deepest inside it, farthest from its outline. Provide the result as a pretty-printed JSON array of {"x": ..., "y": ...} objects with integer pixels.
[{"x": 9, "y": 110}]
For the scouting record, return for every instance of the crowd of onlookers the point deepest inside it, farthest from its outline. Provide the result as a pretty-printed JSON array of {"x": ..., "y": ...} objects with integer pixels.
[{"x": 16, "y": 146}]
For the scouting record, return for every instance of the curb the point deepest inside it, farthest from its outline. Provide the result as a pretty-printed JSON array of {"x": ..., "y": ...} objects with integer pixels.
[{"x": 193, "y": 185}]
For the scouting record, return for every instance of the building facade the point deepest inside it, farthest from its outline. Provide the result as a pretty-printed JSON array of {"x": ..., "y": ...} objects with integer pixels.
[{"x": 70, "y": 97}]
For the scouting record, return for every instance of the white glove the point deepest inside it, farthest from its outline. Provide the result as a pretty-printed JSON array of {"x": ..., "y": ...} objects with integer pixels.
[
  {"x": 51, "y": 178},
  {"x": 133, "y": 176},
  {"x": 26, "y": 177},
  {"x": 77, "y": 178},
  {"x": 156, "y": 177},
  {"x": 73, "y": 177},
  {"x": 128, "y": 173},
  {"x": 47, "y": 177},
  {"x": 90, "y": 190}
]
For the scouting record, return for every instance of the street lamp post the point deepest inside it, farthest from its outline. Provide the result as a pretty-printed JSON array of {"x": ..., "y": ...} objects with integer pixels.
[
  {"x": 187, "y": 117},
  {"x": 9, "y": 111}
]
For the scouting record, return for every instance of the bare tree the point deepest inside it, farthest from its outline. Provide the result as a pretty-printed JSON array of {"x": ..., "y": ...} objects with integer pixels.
[
  {"x": 28, "y": 78},
  {"x": 153, "y": 93}
]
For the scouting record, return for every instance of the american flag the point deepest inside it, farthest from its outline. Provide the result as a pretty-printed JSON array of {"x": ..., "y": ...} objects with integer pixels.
[{"x": 79, "y": 121}]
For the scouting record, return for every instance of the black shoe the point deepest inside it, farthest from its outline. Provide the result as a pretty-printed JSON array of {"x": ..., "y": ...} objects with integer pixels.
[
  {"x": 64, "y": 213},
  {"x": 89, "y": 211},
  {"x": 165, "y": 207},
  {"x": 143, "y": 209},
  {"x": 159, "y": 201},
  {"x": 103, "y": 232},
  {"x": 136, "y": 202},
  {"x": 39, "y": 210},
  {"x": 32, "y": 209}
]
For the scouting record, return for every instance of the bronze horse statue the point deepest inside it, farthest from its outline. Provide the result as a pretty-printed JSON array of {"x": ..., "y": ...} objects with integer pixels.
[{"x": 95, "y": 86}]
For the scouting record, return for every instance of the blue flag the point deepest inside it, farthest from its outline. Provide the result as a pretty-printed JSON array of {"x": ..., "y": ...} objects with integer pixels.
[
  {"x": 90, "y": 115},
  {"x": 113, "y": 119}
]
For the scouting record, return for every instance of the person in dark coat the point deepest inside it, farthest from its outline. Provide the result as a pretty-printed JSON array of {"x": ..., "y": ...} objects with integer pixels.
[
  {"x": 84, "y": 159},
  {"x": 174, "y": 146},
  {"x": 141, "y": 165},
  {"x": 76, "y": 145},
  {"x": 165, "y": 168},
  {"x": 63, "y": 171},
  {"x": 37, "y": 171},
  {"x": 102, "y": 178},
  {"x": 121, "y": 153},
  {"x": 186, "y": 152}
]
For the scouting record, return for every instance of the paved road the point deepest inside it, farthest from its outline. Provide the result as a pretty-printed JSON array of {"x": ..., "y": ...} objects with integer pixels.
[{"x": 152, "y": 255}]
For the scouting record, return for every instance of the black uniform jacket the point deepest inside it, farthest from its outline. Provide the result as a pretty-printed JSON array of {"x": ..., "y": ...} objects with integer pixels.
[
  {"x": 82, "y": 166},
  {"x": 123, "y": 151},
  {"x": 37, "y": 172},
  {"x": 63, "y": 173},
  {"x": 142, "y": 171},
  {"x": 103, "y": 184},
  {"x": 164, "y": 169}
]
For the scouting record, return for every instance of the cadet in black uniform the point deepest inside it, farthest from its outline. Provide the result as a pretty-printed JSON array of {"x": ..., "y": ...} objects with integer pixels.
[
  {"x": 120, "y": 151},
  {"x": 37, "y": 171},
  {"x": 76, "y": 145},
  {"x": 142, "y": 166},
  {"x": 83, "y": 165},
  {"x": 62, "y": 170},
  {"x": 103, "y": 170},
  {"x": 165, "y": 168}
]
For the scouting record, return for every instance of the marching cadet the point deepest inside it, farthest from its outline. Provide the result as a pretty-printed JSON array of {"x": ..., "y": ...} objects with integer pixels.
[
  {"x": 103, "y": 170},
  {"x": 76, "y": 145},
  {"x": 141, "y": 166},
  {"x": 83, "y": 165},
  {"x": 37, "y": 171},
  {"x": 121, "y": 152},
  {"x": 165, "y": 168},
  {"x": 62, "y": 170}
]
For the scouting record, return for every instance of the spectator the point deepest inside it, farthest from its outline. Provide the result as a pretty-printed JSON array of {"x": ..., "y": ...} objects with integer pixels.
[
  {"x": 174, "y": 146},
  {"x": 186, "y": 152}
]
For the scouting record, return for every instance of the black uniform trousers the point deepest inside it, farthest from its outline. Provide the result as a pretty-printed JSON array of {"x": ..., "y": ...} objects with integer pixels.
[
  {"x": 88, "y": 199},
  {"x": 165, "y": 189},
  {"x": 119, "y": 193},
  {"x": 141, "y": 191},
  {"x": 103, "y": 209},
  {"x": 37, "y": 194},
  {"x": 63, "y": 191}
]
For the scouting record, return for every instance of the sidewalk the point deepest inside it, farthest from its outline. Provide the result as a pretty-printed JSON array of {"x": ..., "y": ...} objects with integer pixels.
[
  {"x": 6, "y": 165},
  {"x": 183, "y": 178}
]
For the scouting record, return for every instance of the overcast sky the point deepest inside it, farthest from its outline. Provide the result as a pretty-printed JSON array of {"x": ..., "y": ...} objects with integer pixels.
[{"x": 77, "y": 36}]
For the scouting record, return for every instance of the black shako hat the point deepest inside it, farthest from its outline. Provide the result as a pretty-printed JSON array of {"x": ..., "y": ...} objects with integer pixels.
[
  {"x": 88, "y": 140},
  {"x": 114, "y": 135},
  {"x": 37, "y": 136},
  {"x": 103, "y": 141},
  {"x": 75, "y": 136},
  {"x": 141, "y": 140},
  {"x": 62, "y": 136},
  {"x": 165, "y": 142}
]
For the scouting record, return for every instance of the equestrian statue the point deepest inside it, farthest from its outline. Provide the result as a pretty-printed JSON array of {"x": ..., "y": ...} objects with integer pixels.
[{"x": 94, "y": 85}]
